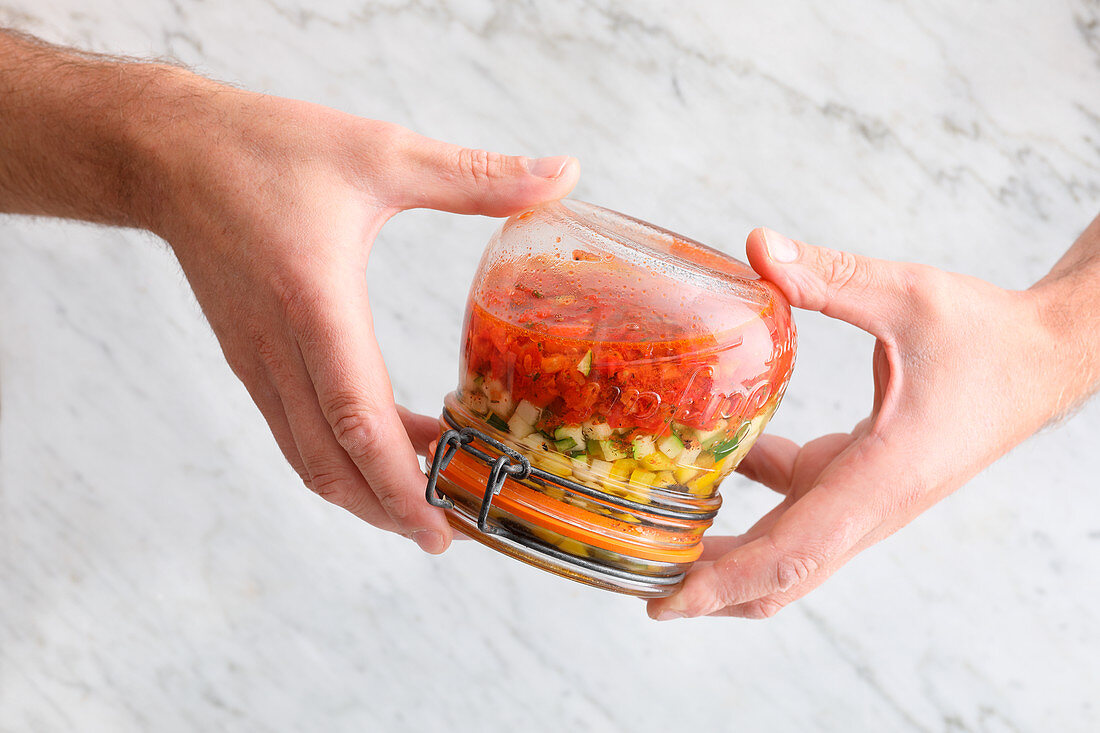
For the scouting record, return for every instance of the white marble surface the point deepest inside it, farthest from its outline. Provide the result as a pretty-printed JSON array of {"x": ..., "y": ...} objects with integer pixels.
[{"x": 160, "y": 568}]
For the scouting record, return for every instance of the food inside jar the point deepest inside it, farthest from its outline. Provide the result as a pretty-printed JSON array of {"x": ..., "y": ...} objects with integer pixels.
[{"x": 598, "y": 380}]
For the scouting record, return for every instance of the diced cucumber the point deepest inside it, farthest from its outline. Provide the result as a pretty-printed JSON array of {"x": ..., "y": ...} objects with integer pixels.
[
  {"x": 643, "y": 446},
  {"x": 492, "y": 388},
  {"x": 671, "y": 446},
  {"x": 527, "y": 412},
  {"x": 725, "y": 447},
  {"x": 472, "y": 383},
  {"x": 573, "y": 432},
  {"x": 502, "y": 406},
  {"x": 520, "y": 428},
  {"x": 581, "y": 470},
  {"x": 597, "y": 430},
  {"x": 565, "y": 445},
  {"x": 756, "y": 426},
  {"x": 584, "y": 366},
  {"x": 689, "y": 454},
  {"x": 535, "y": 442},
  {"x": 707, "y": 437},
  {"x": 601, "y": 470},
  {"x": 497, "y": 422},
  {"x": 611, "y": 451},
  {"x": 476, "y": 401},
  {"x": 705, "y": 461},
  {"x": 555, "y": 463}
]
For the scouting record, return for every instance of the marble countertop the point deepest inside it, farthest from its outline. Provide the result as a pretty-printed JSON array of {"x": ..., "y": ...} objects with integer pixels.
[{"x": 162, "y": 569}]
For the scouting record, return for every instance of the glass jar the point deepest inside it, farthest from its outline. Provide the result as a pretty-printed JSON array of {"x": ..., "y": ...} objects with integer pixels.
[{"x": 612, "y": 374}]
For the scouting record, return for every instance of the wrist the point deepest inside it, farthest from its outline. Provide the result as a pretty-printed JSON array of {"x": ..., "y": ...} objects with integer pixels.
[
  {"x": 1068, "y": 306},
  {"x": 170, "y": 132},
  {"x": 79, "y": 132}
]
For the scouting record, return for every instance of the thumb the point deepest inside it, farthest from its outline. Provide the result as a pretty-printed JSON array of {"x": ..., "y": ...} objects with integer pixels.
[
  {"x": 437, "y": 175},
  {"x": 859, "y": 290}
]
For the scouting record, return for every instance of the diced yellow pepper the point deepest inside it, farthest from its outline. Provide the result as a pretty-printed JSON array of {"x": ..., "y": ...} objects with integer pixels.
[
  {"x": 642, "y": 479},
  {"x": 702, "y": 485},
  {"x": 622, "y": 468},
  {"x": 665, "y": 478},
  {"x": 656, "y": 461},
  {"x": 684, "y": 474}
]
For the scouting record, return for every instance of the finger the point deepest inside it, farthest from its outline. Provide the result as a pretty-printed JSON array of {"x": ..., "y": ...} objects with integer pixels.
[
  {"x": 437, "y": 175},
  {"x": 331, "y": 472},
  {"x": 769, "y": 605},
  {"x": 421, "y": 429},
  {"x": 356, "y": 398},
  {"x": 770, "y": 462},
  {"x": 804, "y": 546},
  {"x": 862, "y": 291},
  {"x": 257, "y": 381},
  {"x": 716, "y": 547}
]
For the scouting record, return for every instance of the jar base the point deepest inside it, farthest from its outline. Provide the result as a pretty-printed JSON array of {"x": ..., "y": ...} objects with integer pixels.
[{"x": 546, "y": 557}]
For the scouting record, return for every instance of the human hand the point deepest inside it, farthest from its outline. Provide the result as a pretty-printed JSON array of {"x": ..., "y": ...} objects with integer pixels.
[
  {"x": 271, "y": 206},
  {"x": 963, "y": 371}
]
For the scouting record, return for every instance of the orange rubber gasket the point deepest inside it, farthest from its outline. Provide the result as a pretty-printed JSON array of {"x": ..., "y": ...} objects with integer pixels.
[{"x": 469, "y": 474}]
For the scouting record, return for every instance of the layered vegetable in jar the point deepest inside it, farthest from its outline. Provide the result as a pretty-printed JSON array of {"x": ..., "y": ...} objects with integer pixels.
[{"x": 623, "y": 358}]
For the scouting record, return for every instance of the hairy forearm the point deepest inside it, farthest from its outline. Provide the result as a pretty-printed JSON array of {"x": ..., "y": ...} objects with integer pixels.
[
  {"x": 79, "y": 132},
  {"x": 1069, "y": 297}
]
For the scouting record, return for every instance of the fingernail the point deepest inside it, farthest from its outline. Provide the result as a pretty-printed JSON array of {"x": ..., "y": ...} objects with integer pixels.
[
  {"x": 669, "y": 615},
  {"x": 780, "y": 248},
  {"x": 547, "y": 167},
  {"x": 429, "y": 540}
]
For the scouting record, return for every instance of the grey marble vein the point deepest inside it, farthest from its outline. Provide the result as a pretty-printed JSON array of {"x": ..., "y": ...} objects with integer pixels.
[{"x": 161, "y": 569}]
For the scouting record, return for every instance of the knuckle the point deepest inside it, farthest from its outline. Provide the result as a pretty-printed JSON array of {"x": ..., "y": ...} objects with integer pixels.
[
  {"x": 242, "y": 364},
  {"x": 343, "y": 490},
  {"x": 331, "y": 485},
  {"x": 928, "y": 291},
  {"x": 386, "y": 138},
  {"x": 353, "y": 424},
  {"x": 262, "y": 344},
  {"x": 794, "y": 568},
  {"x": 483, "y": 166},
  {"x": 295, "y": 298},
  {"x": 844, "y": 271},
  {"x": 761, "y": 608},
  {"x": 396, "y": 503}
]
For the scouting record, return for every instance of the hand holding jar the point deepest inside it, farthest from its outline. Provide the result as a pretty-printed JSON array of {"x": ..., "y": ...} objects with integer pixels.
[{"x": 963, "y": 371}]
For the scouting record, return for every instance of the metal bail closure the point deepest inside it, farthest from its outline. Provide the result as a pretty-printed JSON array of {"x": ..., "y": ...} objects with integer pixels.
[
  {"x": 514, "y": 464},
  {"x": 519, "y": 467},
  {"x": 509, "y": 463}
]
